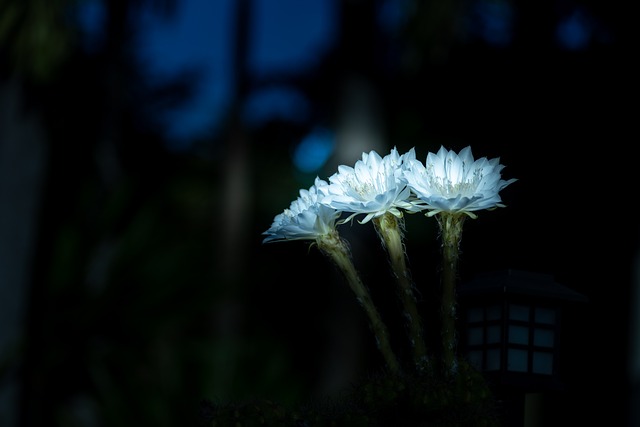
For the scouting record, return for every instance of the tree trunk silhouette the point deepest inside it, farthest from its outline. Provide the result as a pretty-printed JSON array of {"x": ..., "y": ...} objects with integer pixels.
[{"x": 23, "y": 158}]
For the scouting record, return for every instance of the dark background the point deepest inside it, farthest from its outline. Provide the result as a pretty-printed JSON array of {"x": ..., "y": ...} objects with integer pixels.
[{"x": 141, "y": 271}]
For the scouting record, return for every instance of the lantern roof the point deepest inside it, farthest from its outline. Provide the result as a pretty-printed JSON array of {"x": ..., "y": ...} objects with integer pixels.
[{"x": 518, "y": 282}]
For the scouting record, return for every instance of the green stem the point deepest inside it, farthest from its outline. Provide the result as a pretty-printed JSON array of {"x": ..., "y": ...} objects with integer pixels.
[
  {"x": 451, "y": 233},
  {"x": 388, "y": 228},
  {"x": 336, "y": 249}
]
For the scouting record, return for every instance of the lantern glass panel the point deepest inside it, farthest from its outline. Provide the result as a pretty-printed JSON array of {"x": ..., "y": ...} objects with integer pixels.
[
  {"x": 517, "y": 360},
  {"x": 543, "y": 337},
  {"x": 475, "y": 359},
  {"x": 542, "y": 363},
  {"x": 493, "y": 334},
  {"x": 518, "y": 334},
  {"x": 475, "y": 314},
  {"x": 493, "y": 359},
  {"x": 475, "y": 336}
]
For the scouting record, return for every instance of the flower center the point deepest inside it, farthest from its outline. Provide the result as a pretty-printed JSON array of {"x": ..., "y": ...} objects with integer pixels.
[
  {"x": 449, "y": 187},
  {"x": 363, "y": 188}
]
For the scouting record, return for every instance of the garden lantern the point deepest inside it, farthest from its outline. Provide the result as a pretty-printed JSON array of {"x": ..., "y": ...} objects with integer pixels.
[{"x": 511, "y": 327}]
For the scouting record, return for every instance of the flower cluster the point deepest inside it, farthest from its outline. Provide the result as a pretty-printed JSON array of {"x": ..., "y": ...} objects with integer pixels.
[{"x": 451, "y": 186}]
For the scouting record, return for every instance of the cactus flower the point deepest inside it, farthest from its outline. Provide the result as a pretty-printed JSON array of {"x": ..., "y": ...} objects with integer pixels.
[{"x": 455, "y": 183}]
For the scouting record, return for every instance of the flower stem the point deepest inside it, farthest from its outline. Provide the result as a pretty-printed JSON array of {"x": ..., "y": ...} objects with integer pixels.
[
  {"x": 451, "y": 234},
  {"x": 388, "y": 228},
  {"x": 337, "y": 250}
]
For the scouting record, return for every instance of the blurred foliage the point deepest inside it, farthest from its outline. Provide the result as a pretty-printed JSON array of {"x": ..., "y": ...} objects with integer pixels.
[
  {"x": 141, "y": 338},
  {"x": 130, "y": 322},
  {"x": 37, "y": 35},
  {"x": 133, "y": 323}
]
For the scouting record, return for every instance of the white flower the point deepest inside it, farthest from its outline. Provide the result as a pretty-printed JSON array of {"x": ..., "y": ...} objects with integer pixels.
[
  {"x": 372, "y": 187},
  {"x": 455, "y": 183},
  {"x": 306, "y": 218}
]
